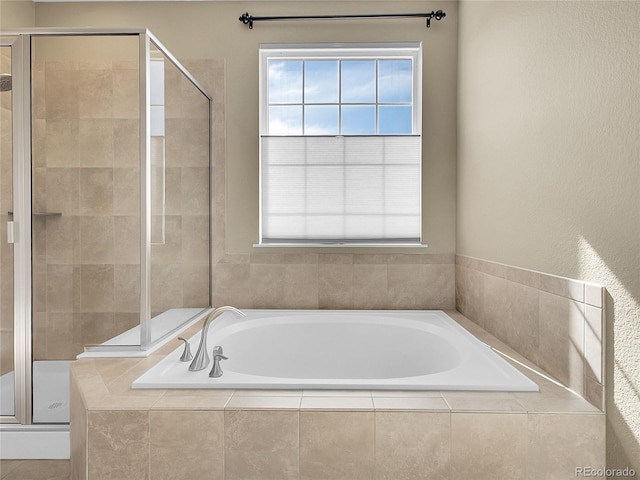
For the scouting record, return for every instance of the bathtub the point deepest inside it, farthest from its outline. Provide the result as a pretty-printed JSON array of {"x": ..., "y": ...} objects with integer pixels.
[{"x": 342, "y": 349}]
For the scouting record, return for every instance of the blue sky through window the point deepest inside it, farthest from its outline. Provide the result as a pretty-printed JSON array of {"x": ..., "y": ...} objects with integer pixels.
[{"x": 340, "y": 97}]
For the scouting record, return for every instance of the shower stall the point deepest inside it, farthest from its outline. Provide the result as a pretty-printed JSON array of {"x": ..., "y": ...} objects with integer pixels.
[{"x": 104, "y": 208}]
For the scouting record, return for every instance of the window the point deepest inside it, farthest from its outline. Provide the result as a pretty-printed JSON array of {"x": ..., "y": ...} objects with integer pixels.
[{"x": 340, "y": 149}]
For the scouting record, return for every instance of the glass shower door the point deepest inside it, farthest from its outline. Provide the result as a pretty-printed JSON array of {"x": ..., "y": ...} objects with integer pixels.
[
  {"x": 7, "y": 374},
  {"x": 85, "y": 204}
]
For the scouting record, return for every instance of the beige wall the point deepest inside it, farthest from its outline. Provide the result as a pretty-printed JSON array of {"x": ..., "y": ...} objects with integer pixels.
[
  {"x": 17, "y": 14},
  {"x": 548, "y": 173},
  {"x": 211, "y": 30}
]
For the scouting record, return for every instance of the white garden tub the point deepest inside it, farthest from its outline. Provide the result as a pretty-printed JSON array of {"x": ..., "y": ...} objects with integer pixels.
[{"x": 342, "y": 349}]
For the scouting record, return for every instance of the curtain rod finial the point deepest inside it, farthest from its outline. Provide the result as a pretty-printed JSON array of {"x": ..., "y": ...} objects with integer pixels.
[{"x": 246, "y": 19}]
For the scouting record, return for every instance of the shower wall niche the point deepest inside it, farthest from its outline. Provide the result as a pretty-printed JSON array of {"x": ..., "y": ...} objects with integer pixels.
[{"x": 117, "y": 198}]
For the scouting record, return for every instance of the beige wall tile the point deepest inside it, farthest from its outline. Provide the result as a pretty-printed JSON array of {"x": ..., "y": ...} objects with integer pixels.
[
  {"x": 63, "y": 240},
  {"x": 562, "y": 339},
  {"x": 404, "y": 281},
  {"x": 195, "y": 190},
  {"x": 96, "y": 191},
  {"x": 370, "y": 286},
  {"x": 593, "y": 342},
  {"x": 166, "y": 287},
  {"x": 61, "y": 92},
  {"x": 168, "y": 250},
  {"x": 195, "y": 286},
  {"x": 231, "y": 285},
  {"x": 126, "y": 239},
  {"x": 63, "y": 288},
  {"x": 594, "y": 393},
  {"x": 301, "y": 286},
  {"x": 195, "y": 239},
  {"x": 63, "y": 190},
  {"x": 412, "y": 445},
  {"x": 126, "y": 142},
  {"x": 78, "y": 432},
  {"x": 337, "y": 445},
  {"x": 564, "y": 287},
  {"x": 261, "y": 445},
  {"x": 409, "y": 285},
  {"x": 95, "y": 142},
  {"x": 335, "y": 283},
  {"x": 97, "y": 288},
  {"x": 266, "y": 285},
  {"x": 470, "y": 294},
  {"x": 126, "y": 191},
  {"x": 97, "y": 239},
  {"x": 522, "y": 329},
  {"x": 126, "y": 288},
  {"x": 594, "y": 295},
  {"x": 96, "y": 328},
  {"x": 439, "y": 293},
  {"x": 487, "y": 446},
  {"x": 62, "y": 142},
  {"x": 186, "y": 445},
  {"x": 126, "y": 93},
  {"x": 560, "y": 443},
  {"x": 118, "y": 445},
  {"x": 95, "y": 93},
  {"x": 494, "y": 305}
]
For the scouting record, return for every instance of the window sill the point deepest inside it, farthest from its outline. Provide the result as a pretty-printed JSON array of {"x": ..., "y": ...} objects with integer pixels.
[{"x": 340, "y": 245}]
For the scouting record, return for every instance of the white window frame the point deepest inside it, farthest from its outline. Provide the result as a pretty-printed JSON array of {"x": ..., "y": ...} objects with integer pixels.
[{"x": 341, "y": 51}]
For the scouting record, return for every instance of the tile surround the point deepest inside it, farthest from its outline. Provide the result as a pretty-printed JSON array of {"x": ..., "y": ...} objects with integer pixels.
[
  {"x": 329, "y": 434},
  {"x": 555, "y": 322}
]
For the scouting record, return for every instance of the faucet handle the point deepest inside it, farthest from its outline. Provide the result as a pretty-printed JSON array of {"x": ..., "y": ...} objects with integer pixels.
[
  {"x": 186, "y": 354},
  {"x": 216, "y": 371}
]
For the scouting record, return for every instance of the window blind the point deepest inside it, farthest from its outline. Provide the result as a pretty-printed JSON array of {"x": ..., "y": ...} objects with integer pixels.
[{"x": 340, "y": 189}]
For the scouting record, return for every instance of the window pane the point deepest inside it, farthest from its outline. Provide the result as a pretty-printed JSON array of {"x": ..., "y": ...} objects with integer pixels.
[
  {"x": 394, "y": 81},
  {"x": 285, "y": 81},
  {"x": 285, "y": 120},
  {"x": 358, "y": 81},
  {"x": 359, "y": 120},
  {"x": 321, "y": 81},
  {"x": 321, "y": 120},
  {"x": 394, "y": 120}
]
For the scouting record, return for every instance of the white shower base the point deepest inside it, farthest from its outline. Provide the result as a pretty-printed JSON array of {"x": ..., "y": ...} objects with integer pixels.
[
  {"x": 50, "y": 392},
  {"x": 50, "y": 407}
]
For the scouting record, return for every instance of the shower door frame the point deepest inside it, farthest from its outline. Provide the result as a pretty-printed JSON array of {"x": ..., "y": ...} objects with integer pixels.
[{"x": 20, "y": 41}]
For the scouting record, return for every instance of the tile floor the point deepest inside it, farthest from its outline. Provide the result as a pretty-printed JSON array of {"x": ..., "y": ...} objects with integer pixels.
[{"x": 35, "y": 470}]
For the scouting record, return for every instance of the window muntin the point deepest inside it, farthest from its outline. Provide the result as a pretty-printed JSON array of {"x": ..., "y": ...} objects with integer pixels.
[
  {"x": 336, "y": 96},
  {"x": 341, "y": 145}
]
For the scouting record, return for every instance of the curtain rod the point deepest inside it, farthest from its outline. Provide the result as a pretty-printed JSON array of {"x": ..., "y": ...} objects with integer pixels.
[{"x": 249, "y": 19}]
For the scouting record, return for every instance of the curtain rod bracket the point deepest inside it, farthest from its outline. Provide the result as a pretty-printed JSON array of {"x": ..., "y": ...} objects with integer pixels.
[{"x": 247, "y": 19}]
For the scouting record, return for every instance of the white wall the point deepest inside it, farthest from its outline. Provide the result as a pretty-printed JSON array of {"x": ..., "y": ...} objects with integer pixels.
[{"x": 548, "y": 162}]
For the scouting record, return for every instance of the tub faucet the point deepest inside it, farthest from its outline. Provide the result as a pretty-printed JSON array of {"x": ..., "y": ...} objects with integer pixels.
[{"x": 201, "y": 358}]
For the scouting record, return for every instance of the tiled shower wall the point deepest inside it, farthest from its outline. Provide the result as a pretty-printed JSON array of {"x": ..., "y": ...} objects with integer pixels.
[
  {"x": 6, "y": 250},
  {"x": 555, "y": 322},
  {"x": 85, "y": 166}
]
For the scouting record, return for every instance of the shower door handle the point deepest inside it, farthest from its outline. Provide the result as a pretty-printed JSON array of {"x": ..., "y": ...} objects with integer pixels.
[
  {"x": 43, "y": 214},
  {"x": 10, "y": 233}
]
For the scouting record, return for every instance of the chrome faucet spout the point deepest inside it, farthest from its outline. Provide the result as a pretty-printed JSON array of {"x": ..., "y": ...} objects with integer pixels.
[{"x": 201, "y": 358}]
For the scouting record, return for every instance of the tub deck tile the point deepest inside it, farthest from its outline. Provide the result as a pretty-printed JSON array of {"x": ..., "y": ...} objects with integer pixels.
[
  {"x": 336, "y": 403},
  {"x": 410, "y": 403},
  {"x": 263, "y": 403}
]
